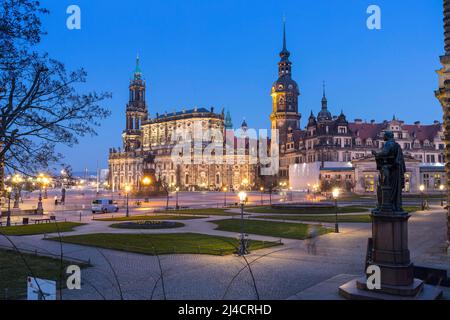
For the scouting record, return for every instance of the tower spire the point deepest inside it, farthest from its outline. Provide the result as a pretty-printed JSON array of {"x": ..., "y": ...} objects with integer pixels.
[
  {"x": 137, "y": 70},
  {"x": 284, "y": 54}
]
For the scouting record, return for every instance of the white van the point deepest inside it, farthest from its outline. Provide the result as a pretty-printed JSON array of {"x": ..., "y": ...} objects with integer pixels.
[{"x": 104, "y": 206}]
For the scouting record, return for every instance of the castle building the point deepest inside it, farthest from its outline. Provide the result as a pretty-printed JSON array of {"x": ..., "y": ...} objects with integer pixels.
[
  {"x": 332, "y": 151},
  {"x": 149, "y": 148}
]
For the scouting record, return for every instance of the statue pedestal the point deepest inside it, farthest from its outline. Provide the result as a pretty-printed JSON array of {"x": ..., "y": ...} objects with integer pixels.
[
  {"x": 390, "y": 248},
  {"x": 391, "y": 254}
]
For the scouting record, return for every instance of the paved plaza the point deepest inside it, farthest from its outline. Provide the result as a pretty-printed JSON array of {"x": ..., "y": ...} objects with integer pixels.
[{"x": 282, "y": 272}]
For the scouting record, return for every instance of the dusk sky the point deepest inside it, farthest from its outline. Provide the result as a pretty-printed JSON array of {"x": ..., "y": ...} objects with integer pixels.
[{"x": 225, "y": 53}]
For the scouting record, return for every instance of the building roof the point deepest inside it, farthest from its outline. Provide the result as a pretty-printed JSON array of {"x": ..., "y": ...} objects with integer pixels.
[
  {"x": 421, "y": 132},
  {"x": 416, "y": 131},
  {"x": 185, "y": 114}
]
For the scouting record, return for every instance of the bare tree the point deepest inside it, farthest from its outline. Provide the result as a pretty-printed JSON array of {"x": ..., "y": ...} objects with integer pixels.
[
  {"x": 164, "y": 185},
  {"x": 40, "y": 106}
]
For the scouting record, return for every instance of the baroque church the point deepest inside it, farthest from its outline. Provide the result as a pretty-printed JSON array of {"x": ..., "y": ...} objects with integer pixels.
[
  {"x": 328, "y": 151},
  {"x": 148, "y": 147}
]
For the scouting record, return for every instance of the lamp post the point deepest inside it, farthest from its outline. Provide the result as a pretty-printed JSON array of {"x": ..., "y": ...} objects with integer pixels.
[
  {"x": 40, "y": 180},
  {"x": 422, "y": 189},
  {"x": 242, "y": 243},
  {"x": 8, "y": 217},
  {"x": 225, "y": 196},
  {"x": 245, "y": 183},
  {"x": 442, "y": 188},
  {"x": 262, "y": 190},
  {"x": 146, "y": 182},
  {"x": 176, "y": 196},
  {"x": 127, "y": 191},
  {"x": 335, "y": 196}
]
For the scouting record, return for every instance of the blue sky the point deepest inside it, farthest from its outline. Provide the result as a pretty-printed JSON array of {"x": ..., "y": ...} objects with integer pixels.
[{"x": 225, "y": 53}]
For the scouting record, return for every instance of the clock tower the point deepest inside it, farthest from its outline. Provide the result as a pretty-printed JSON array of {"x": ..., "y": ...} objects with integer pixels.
[
  {"x": 136, "y": 112},
  {"x": 285, "y": 116}
]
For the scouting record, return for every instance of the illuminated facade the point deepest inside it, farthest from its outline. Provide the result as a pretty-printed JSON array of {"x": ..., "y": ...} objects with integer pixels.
[
  {"x": 148, "y": 146},
  {"x": 443, "y": 94}
]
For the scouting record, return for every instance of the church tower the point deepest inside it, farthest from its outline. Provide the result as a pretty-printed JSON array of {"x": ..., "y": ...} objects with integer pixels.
[
  {"x": 443, "y": 94},
  {"x": 136, "y": 112},
  {"x": 285, "y": 116}
]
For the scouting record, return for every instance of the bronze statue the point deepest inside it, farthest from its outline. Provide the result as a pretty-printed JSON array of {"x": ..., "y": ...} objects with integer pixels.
[{"x": 391, "y": 164}]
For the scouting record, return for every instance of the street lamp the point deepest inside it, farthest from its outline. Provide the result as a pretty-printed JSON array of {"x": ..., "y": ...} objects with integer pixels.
[
  {"x": 8, "y": 217},
  {"x": 225, "y": 196},
  {"x": 335, "y": 196},
  {"x": 262, "y": 190},
  {"x": 41, "y": 179},
  {"x": 442, "y": 187},
  {"x": 422, "y": 189},
  {"x": 127, "y": 191},
  {"x": 146, "y": 182},
  {"x": 176, "y": 194},
  {"x": 242, "y": 243},
  {"x": 245, "y": 183}
]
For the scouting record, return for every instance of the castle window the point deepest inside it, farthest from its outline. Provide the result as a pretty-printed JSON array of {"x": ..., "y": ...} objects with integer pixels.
[{"x": 342, "y": 130}]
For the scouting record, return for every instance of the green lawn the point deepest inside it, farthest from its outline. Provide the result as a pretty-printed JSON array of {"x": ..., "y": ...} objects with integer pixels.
[
  {"x": 143, "y": 226},
  {"x": 176, "y": 243},
  {"x": 205, "y": 212},
  {"x": 359, "y": 218},
  {"x": 150, "y": 217},
  {"x": 411, "y": 208},
  {"x": 33, "y": 229},
  {"x": 14, "y": 273},
  {"x": 268, "y": 209},
  {"x": 348, "y": 218},
  {"x": 268, "y": 228}
]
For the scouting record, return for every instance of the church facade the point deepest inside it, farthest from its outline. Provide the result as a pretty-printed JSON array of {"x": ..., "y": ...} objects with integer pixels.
[{"x": 149, "y": 145}]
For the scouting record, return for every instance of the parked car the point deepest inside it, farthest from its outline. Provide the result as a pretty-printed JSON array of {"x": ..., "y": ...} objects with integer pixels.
[{"x": 104, "y": 206}]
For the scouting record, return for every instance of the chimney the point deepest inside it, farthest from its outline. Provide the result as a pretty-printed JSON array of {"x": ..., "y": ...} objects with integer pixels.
[
  {"x": 436, "y": 122},
  {"x": 372, "y": 121},
  {"x": 417, "y": 123},
  {"x": 358, "y": 121}
]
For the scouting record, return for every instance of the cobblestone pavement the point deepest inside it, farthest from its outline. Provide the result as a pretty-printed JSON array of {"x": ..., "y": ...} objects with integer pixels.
[{"x": 279, "y": 272}]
